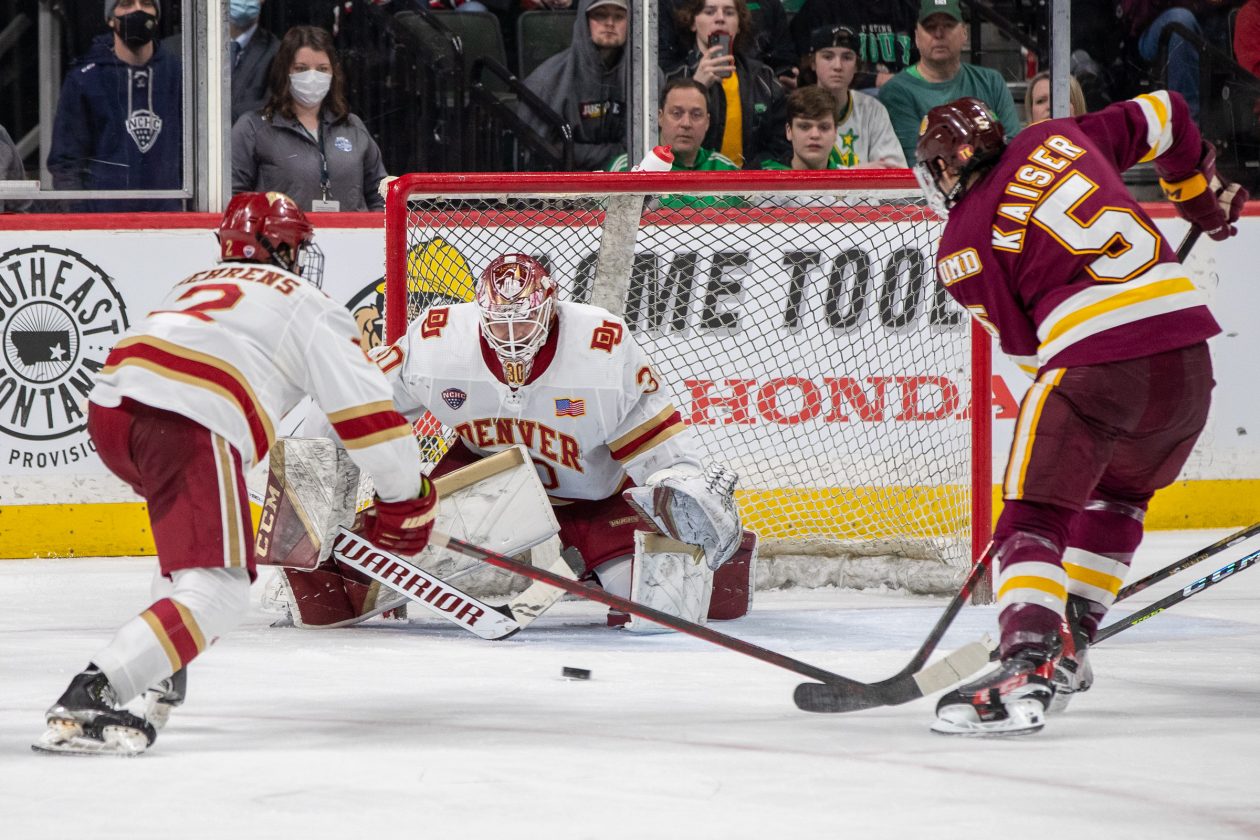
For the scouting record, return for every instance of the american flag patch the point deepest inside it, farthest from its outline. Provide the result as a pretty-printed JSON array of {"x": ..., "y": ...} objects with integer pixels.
[{"x": 566, "y": 407}]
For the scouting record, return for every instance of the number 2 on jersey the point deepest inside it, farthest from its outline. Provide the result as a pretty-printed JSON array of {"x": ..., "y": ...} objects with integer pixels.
[{"x": 214, "y": 297}]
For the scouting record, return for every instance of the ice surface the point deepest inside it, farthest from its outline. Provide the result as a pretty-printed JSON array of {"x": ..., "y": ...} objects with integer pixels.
[{"x": 418, "y": 730}]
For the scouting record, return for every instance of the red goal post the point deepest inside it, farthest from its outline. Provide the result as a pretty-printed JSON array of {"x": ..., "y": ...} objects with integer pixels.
[{"x": 795, "y": 319}]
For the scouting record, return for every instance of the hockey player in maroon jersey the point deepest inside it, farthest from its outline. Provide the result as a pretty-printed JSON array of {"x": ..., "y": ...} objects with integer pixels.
[
  {"x": 1045, "y": 246},
  {"x": 189, "y": 399}
]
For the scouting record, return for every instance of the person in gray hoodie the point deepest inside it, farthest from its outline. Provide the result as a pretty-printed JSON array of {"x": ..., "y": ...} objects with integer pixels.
[{"x": 587, "y": 83}]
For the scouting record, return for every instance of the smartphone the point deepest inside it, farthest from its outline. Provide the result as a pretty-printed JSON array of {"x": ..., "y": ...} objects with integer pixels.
[{"x": 723, "y": 40}]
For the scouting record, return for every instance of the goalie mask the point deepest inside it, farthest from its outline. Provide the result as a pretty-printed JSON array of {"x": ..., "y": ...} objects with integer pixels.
[
  {"x": 270, "y": 228},
  {"x": 516, "y": 299},
  {"x": 956, "y": 140}
]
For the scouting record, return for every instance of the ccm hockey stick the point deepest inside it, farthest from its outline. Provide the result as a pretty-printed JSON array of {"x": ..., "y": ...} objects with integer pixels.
[
  {"x": 1176, "y": 597},
  {"x": 886, "y": 693}
]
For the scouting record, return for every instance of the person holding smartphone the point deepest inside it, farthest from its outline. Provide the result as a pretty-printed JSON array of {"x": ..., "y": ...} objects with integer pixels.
[{"x": 746, "y": 101}]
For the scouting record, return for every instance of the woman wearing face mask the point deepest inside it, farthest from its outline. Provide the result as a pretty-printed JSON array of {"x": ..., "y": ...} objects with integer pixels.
[
  {"x": 305, "y": 142},
  {"x": 747, "y": 108},
  {"x": 118, "y": 124}
]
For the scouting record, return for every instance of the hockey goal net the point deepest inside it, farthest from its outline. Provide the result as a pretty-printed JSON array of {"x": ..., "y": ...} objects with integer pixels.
[{"x": 796, "y": 321}]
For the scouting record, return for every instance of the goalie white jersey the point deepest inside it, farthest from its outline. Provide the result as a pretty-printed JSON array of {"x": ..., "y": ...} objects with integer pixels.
[
  {"x": 592, "y": 411},
  {"x": 237, "y": 369}
]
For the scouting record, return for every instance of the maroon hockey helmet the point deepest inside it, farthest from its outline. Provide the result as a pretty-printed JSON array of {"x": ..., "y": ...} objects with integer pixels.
[
  {"x": 955, "y": 140},
  {"x": 270, "y": 228}
]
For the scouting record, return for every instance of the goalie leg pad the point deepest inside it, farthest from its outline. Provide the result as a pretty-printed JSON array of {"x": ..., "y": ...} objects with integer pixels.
[
  {"x": 734, "y": 581},
  {"x": 333, "y": 595},
  {"x": 669, "y": 576}
]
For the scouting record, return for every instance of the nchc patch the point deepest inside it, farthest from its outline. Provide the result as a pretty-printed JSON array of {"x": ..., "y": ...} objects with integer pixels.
[{"x": 454, "y": 397}]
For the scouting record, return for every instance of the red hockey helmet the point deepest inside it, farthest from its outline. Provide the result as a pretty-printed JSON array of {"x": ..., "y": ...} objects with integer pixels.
[
  {"x": 270, "y": 228},
  {"x": 516, "y": 298},
  {"x": 955, "y": 140}
]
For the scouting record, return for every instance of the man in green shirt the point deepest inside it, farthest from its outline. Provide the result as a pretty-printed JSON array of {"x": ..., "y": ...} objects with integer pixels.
[
  {"x": 684, "y": 120},
  {"x": 941, "y": 76}
]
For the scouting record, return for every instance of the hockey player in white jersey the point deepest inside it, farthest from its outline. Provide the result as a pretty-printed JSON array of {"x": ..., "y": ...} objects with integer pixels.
[
  {"x": 569, "y": 383},
  {"x": 188, "y": 399}
]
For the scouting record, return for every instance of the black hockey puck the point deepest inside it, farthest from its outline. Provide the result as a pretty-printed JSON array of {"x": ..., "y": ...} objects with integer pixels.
[{"x": 575, "y": 673}]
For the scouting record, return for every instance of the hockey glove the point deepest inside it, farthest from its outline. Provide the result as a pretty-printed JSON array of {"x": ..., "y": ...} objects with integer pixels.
[
  {"x": 1204, "y": 200},
  {"x": 403, "y": 526}
]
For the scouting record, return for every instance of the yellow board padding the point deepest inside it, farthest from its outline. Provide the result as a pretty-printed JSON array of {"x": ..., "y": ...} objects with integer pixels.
[{"x": 122, "y": 529}]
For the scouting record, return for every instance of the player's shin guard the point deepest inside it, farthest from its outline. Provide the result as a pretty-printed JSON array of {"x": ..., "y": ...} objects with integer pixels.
[{"x": 1032, "y": 592}]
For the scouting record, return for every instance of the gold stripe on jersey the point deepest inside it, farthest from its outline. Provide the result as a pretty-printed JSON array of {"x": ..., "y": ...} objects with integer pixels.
[
  {"x": 1032, "y": 583},
  {"x": 1026, "y": 432},
  {"x": 656, "y": 440},
  {"x": 1094, "y": 576},
  {"x": 357, "y": 411},
  {"x": 230, "y": 512},
  {"x": 642, "y": 428},
  {"x": 188, "y": 378},
  {"x": 1157, "y": 108},
  {"x": 191, "y": 625},
  {"x": 1096, "y": 309},
  {"x": 383, "y": 436}
]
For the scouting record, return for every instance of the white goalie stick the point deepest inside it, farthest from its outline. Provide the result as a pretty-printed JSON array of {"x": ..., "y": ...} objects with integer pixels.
[
  {"x": 899, "y": 689},
  {"x": 441, "y": 598}
]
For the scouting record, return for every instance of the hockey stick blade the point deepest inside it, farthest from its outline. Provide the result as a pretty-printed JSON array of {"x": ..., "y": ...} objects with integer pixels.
[
  {"x": 950, "y": 670},
  {"x": 699, "y": 631}
]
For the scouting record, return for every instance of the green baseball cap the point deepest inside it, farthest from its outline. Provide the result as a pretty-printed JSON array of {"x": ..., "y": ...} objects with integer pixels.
[{"x": 927, "y": 8}]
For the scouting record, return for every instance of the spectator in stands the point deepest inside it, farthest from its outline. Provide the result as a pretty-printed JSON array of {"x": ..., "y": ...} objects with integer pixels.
[
  {"x": 812, "y": 115},
  {"x": 941, "y": 76},
  {"x": 305, "y": 142},
  {"x": 587, "y": 83},
  {"x": 684, "y": 121},
  {"x": 864, "y": 134},
  {"x": 11, "y": 169},
  {"x": 1148, "y": 19},
  {"x": 772, "y": 42},
  {"x": 250, "y": 52},
  {"x": 885, "y": 30},
  {"x": 119, "y": 117},
  {"x": 1037, "y": 99},
  {"x": 746, "y": 102}
]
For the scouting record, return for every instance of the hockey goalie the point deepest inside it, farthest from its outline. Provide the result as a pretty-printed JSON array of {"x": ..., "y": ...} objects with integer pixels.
[{"x": 566, "y": 381}]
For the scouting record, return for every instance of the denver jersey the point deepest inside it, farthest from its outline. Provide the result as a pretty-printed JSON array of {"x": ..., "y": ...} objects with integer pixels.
[
  {"x": 1053, "y": 255},
  {"x": 235, "y": 348},
  {"x": 592, "y": 411}
]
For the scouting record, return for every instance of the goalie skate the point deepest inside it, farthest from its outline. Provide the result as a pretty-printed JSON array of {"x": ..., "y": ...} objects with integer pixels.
[
  {"x": 86, "y": 720},
  {"x": 1011, "y": 700}
]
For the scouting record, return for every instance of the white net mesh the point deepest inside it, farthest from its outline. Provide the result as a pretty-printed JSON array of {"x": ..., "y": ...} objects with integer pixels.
[{"x": 803, "y": 338}]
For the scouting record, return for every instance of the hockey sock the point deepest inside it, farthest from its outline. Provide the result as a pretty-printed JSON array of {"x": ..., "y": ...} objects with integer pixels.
[
  {"x": 1104, "y": 537},
  {"x": 204, "y": 604}
]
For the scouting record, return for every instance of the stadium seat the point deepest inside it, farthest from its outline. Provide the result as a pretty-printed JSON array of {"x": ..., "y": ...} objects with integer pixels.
[
  {"x": 480, "y": 35},
  {"x": 540, "y": 35}
]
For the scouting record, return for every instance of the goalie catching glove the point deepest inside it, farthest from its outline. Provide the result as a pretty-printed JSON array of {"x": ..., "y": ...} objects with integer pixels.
[
  {"x": 693, "y": 508},
  {"x": 402, "y": 527},
  {"x": 1203, "y": 199}
]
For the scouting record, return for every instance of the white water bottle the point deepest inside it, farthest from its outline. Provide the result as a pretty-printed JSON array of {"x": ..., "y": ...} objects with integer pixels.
[{"x": 660, "y": 159}]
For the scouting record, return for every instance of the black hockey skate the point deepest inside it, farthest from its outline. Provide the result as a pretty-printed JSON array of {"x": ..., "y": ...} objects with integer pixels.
[
  {"x": 165, "y": 696},
  {"x": 1011, "y": 700},
  {"x": 86, "y": 720}
]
